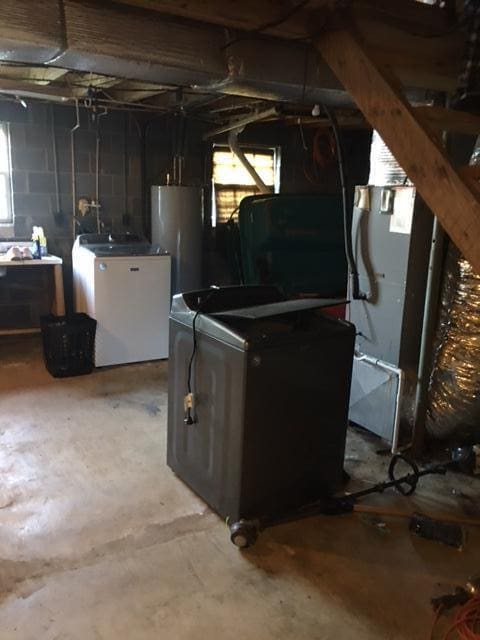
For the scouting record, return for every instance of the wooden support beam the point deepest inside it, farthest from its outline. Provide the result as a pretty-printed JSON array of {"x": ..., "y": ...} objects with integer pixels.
[
  {"x": 37, "y": 75},
  {"x": 29, "y": 89},
  {"x": 471, "y": 175},
  {"x": 470, "y": 171},
  {"x": 438, "y": 118},
  {"x": 345, "y": 121},
  {"x": 418, "y": 150},
  {"x": 136, "y": 91},
  {"x": 448, "y": 120},
  {"x": 81, "y": 82}
]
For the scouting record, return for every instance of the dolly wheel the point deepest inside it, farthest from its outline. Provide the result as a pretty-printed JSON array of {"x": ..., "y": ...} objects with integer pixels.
[{"x": 243, "y": 534}]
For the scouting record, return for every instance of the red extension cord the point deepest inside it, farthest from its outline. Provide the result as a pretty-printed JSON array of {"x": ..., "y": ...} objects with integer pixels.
[{"x": 466, "y": 622}]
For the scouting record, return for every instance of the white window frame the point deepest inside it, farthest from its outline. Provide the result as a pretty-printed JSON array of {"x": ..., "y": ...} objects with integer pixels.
[
  {"x": 6, "y": 224},
  {"x": 249, "y": 148}
]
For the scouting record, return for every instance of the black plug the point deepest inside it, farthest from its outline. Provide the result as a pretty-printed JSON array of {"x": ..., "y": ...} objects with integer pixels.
[{"x": 188, "y": 417}]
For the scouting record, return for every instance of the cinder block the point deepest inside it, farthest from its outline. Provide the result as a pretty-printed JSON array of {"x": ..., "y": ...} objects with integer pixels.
[
  {"x": 38, "y": 113},
  {"x": 61, "y": 247},
  {"x": 114, "y": 142},
  {"x": 19, "y": 182},
  {"x": 106, "y": 186},
  {"x": 82, "y": 161},
  {"x": 17, "y": 134},
  {"x": 113, "y": 121},
  {"x": 85, "y": 185},
  {"x": 22, "y": 227},
  {"x": 62, "y": 137},
  {"x": 135, "y": 206},
  {"x": 64, "y": 116},
  {"x": 27, "y": 159},
  {"x": 136, "y": 225},
  {"x": 111, "y": 164},
  {"x": 112, "y": 206},
  {"x": 85, "y": 141},
  {"x": 38, "y": 136},
  {"x": 13, "y": 112},
  {"x": 31, "y": 204},
  {"x": 43, "y": 220},
  {"x": 41, "y": 182},
  {"x": 134, "y": 165},
  {"x": 134, "y": 186},
  {"x": 118, "y": 183},
  {"x": 66, "y": 204},
  {"x": 65, "y": 183}
]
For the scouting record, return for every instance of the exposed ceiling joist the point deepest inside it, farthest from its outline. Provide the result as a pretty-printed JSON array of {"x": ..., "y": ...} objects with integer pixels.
[
  {"x": 37, "y": 75},
  {"x": 152, "y": 42},
  {"x": 15, "y": 88},
  {"x": 81, "y": 83},
  {"x": 393, "y": 27},
  {"x": 127, "y": 91},
  {"x": 278, "y": 18}
]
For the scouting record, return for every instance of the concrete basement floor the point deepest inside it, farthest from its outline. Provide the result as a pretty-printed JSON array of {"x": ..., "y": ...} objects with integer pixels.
[{"x": 100, "y": 541}]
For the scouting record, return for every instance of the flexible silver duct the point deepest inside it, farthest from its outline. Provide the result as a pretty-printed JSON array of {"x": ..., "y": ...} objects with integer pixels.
[
  {"x": 384, "y": 168},
  {"x": 454, "y": 391}
]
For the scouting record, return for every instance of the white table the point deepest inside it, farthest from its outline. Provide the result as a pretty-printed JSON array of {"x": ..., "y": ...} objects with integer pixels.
[{"x": 58, "y": 306}]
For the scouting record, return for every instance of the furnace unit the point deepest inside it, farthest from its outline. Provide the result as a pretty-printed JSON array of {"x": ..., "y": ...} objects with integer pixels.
[{"x": 392, "y": 232}]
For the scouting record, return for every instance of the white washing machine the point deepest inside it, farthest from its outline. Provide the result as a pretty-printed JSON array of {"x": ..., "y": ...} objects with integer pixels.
[{"x": 124, "y": 283}]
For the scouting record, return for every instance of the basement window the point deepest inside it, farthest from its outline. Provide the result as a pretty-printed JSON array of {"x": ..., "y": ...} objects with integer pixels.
[
  {"x": 232, "y": 182},
  {"x": 6, "y": 206}
]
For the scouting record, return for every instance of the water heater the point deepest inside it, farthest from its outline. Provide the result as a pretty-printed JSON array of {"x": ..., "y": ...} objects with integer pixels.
[{"x": 177, "y": 225}]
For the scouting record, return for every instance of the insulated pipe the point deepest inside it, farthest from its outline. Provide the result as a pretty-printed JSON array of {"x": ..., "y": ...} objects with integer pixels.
[
  {"x": 435, "y": 270},
  {"x": 430, "y": 313},
  {"x": 347, "y": 223},
  {"x": 235, "y": 148},
  {"x": 55, "y": 157},
  {"x": 242, "y": 122},
  {"x": 74, "y": 184},
  {"x": 401, "y": 383},
  {"x": 97, "y": 167}
]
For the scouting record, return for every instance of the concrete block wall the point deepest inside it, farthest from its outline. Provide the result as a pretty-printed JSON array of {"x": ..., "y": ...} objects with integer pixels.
[
  {"x": 120, "y": 175},
  {"x": 33, "y": 133}
]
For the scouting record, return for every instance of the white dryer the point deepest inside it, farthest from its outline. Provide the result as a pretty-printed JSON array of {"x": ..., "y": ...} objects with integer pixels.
[{"x": 124, "y": 283}]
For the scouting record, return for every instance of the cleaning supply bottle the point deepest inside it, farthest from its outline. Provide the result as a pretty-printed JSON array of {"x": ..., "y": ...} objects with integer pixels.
[{"x": 38, "y": 236}]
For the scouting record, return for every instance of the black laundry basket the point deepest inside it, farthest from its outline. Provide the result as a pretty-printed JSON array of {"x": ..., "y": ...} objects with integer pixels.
[{"x": 68, "y": 344}]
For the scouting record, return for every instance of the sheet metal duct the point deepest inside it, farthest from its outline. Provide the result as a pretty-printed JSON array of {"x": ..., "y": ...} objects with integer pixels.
[
  {"x": 25, "y": 37},
  {"x": 138, "y": 44},
  {"x": 126, "y": 42},
  {"x": 384, "y": 168}
]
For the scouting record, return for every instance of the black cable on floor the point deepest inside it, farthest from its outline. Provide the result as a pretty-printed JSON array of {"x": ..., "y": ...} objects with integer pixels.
[{"x": 189, "y": 419}]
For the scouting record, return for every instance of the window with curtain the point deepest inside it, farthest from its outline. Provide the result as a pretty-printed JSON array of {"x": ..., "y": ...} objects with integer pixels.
[
  {"x": 6, "y": 209},
  {"x": 232, "y": 182}
]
